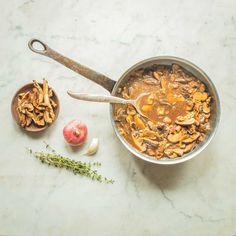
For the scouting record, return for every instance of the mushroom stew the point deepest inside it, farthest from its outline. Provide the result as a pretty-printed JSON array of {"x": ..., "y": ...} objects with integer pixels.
[{"x": 177, "y": 111}]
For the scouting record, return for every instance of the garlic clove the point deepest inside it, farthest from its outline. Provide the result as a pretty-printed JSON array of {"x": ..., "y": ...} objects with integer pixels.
[{"x": 93, "y": 147}]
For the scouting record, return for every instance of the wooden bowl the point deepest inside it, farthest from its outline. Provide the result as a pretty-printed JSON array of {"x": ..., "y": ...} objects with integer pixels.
[{"x": 32, "y": 127}]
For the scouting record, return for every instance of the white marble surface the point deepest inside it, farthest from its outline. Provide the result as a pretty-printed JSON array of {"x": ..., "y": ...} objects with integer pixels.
[{"x": 194, "y": 198}]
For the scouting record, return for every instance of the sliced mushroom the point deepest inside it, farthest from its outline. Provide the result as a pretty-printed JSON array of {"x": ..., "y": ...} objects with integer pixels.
[
  {"x": 54, "y": 105},
  {"x": 202, "y": 119},
  {"x": 159, "y": 154},
  {"x": 35, "y": 102},
  {"x": 47, "y": 117},
  {"x": 22, "y": 118},
  {"x": 202, "y": 137},
  {"x": 179, "y": 72},
  {"x": 52, "y": 114},
  {"x": 192, "y": 138},
  {"x": 152, "y": 126},
  {"x": 189, "y": 147},
  {"x": 202, "y": 88},
  {"x": 28, "y": 121},
  {"x": 181, "y": 80},
  {"x": 50, "y": 93},
  {"x": 30, "y": 114},
  {"x": 178, "y": 151},
  {"x": 175, "y": 138},
  {"x": 198, "y": 106},
  {"x": 45, "y": 94},
  {"x": 139, "y": 144},
  {"x": 40, "y": 91},
  {"x": 150, "y": 80},
  {"x": 164, "y": 102},
  {"x": 173, "y": 85},
  {"x": 208, "y": 100},
  {"x": 175, "y": 68},
  {"x": 125, "y": 93},
  {"x": 169, "y": 153},
  {"x": 160, "y": 125},
  {"x": 151, "y": 142},
  {"x": 23, "y": 97},
  {"x": 149, "y": 133},
  {"x": 207, "y": 115},
  {"x": 156, "y": 75},
  {"x": 120, "y": 114},
  {"x": 191, "y": 129},
  {"x": 40, "y": 107},
  {"x": 172, "y": 78},
  {"x": 40, "y": 121},
  {"x": 186, "y": 122},
  {"x": 205, "y": 108},
  {"x": 189, "y": 106},
  {"x": 130, "y": 91},
  {"x": 167, "y": 120},
  {"x": 21, "y": 109},
  {"x": 178, "y": 128},
  {"x": 182, "y": 145},
  {"x": 150, "y": 152},
  {"x": 138, "y": 73},
  {"x": 37, "y": 111},
  {"x": 29, "y": 106},
  {"x": 194, "y": 85},
  {"x": 121, "y": 130},
  {"x": 163, "y": 83}
]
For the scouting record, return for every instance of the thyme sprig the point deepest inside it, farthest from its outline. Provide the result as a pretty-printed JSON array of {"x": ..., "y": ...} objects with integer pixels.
[{"x": 77, "y": 167}]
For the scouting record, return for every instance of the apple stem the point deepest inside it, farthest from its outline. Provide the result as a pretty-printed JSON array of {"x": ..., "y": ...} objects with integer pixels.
[{"x": 77, "y": 132}]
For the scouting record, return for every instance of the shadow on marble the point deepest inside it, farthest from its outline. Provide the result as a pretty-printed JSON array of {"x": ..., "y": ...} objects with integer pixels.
[
  {"x": 74, "y": 149},
  {"x": 172, "y": 176},
  {"x": 35, "y": 135}
]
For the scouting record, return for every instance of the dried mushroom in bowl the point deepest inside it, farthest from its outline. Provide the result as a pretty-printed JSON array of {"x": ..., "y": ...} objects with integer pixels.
[
  {"x": 177, "y": 111},
  {"x": 36, "y": 105}
]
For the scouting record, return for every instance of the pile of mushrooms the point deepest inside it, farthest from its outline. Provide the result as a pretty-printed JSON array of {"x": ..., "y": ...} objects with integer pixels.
[{"x": 36, "y": 105}]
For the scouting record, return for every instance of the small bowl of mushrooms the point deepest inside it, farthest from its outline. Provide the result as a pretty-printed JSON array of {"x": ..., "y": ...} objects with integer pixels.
[{"x": 35, "y": 106}]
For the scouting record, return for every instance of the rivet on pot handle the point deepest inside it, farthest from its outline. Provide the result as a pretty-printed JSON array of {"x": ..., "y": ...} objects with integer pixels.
[{"x": 90, "y": 74}]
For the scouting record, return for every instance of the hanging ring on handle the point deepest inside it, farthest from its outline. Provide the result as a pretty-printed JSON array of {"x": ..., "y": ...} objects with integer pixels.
[{"x": 40, "y": 51}]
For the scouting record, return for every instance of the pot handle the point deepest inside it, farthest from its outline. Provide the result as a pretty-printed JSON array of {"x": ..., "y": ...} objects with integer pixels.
[{"x": 98, "y": 78}]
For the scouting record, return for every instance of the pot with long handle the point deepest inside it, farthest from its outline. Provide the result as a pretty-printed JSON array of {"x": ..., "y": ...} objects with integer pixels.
[{"x": 112, "y": 86}]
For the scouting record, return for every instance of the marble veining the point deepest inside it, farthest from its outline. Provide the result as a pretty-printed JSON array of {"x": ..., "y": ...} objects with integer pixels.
[{"x": 193, "y": 198}]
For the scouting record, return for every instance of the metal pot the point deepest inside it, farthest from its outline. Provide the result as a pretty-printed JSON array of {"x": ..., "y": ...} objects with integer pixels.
[{"x": 112, "y": 86}]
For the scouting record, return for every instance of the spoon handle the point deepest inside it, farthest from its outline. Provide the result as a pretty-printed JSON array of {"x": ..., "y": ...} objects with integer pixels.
[{"x": 98, "y": 98}]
